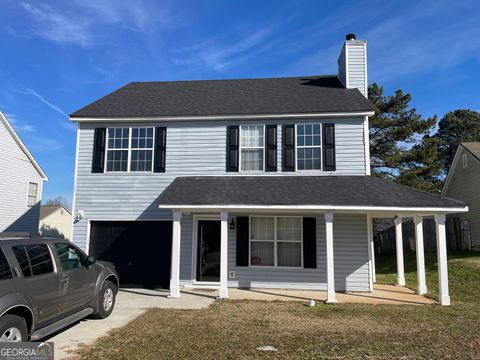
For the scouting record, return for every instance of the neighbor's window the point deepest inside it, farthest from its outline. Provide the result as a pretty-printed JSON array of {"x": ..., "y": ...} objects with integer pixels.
[
  {"x": 251, "y": 147},
  {"x": 130, "y": 149},
  {"x": 276, "y": 241},
  {"x": 32, "y": 194},
  {"x": 309, "y": 147}
]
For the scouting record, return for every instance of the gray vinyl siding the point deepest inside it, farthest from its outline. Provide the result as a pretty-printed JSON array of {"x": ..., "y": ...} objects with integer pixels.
[
  {"x": 350, "y": 257},
  {"x": 464, "y": 184},
  {"x": 356, "y": 66},
  {"x": 193, "y": 148},
  {"x": 16, "y": 171}
]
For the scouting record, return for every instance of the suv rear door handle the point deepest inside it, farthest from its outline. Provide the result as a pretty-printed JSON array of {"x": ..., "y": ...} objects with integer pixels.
[{"x": 65, "y": 279}]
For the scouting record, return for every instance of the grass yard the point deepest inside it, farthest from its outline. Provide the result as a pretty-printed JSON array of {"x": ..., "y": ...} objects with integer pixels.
[{"x": 234, "y": 329}]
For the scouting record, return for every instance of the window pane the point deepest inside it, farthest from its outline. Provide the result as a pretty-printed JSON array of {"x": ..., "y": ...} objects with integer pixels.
[
  {"x": 141, "y": 160},
  {"x": 262, "y": 228},
  {"x": 117, "y": 160},
  {"x": 289, "y": 254},
  {"x": 40, "y": 259},
  {"x": 252, "y": 159},
  {"x": 117, "y": 138},
  {"x": 142, "y": 138},
  {"x": 251, "y": 135},
  {"x": 5, "y": 272},
  {"x": 70, "y": 258},
  {"x": 22, "y": 260},
  {"x": 289, "y": 228},
  {"x": 261, "y": 253}
]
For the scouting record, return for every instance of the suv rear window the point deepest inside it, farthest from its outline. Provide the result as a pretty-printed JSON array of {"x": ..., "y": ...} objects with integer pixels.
[
  {"x": 5, "y": 272},
  {"x": 33, "y": 259}
]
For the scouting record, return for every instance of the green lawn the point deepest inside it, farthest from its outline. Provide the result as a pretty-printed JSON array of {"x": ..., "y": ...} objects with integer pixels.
[{"x": 234, "y": 329}]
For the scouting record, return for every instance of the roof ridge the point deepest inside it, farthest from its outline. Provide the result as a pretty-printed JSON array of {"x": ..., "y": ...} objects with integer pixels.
[{"x": 235, "y": 79}]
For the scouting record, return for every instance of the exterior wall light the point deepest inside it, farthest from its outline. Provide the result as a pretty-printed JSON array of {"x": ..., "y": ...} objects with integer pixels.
[{"x": 232, "y": 224}]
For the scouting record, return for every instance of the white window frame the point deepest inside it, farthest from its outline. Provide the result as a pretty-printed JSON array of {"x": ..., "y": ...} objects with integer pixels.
[
  {"x": 129, "y": 149},
  {"x": 36, "y": 195},
  {"x": 309, "y": 146},
  {"x": 464, "y": 161},
  {"x": 240, "y": 148},
  {"x": 275, "y": 242}
]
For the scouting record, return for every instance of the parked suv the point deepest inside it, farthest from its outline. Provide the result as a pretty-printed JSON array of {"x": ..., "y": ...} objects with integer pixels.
[{"x": 47, "y": 284}]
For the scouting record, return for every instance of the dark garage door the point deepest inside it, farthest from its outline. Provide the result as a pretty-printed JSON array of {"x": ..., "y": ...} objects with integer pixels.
[{"x": 140, "y": 250}]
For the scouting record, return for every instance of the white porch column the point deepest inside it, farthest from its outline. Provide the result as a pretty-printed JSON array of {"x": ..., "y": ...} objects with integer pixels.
[
  {"x": 399, "y": 248},
  {"x": 442, "y": 260},
  {"x": 223, "y": 294},
  {"x": 175, "y": 270},
  {"x": 331, "y": 298},
  {"x": 422, "y": 284},
  {"x": 371, "y": 251}
]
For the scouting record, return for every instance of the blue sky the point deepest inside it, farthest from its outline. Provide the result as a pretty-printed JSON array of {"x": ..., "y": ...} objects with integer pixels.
[{"x": 57, "y": 56}]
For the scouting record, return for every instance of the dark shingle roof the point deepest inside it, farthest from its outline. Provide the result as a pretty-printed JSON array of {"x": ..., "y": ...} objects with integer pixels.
[
  {"x": 290, "y": 95},
  {"x": 473, "y": 148},
  {"x": 299, "y": 190}
]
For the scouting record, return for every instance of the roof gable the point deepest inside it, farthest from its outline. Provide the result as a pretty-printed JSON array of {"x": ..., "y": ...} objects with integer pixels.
[
  {"x": 22, "y": 146},
  {"x": 473, "y": 148},
  {"x": 269, "y": 96},
  {"x": 47, "y": 210}
]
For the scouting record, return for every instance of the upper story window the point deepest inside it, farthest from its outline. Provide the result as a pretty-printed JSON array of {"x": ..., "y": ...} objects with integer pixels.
[
  {"x": 309, "y": 147},
  {"x": 129, "y": 149},
  {"x": 32, "y": 194},
  {"x": 252, "y": 142}
]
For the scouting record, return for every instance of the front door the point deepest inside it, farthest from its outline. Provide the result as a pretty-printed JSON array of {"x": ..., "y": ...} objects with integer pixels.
[{"x": 208, "y": 251}]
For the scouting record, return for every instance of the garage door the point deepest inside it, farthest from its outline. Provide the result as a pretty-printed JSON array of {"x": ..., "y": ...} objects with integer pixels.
[{"x": 140, "y": 250}]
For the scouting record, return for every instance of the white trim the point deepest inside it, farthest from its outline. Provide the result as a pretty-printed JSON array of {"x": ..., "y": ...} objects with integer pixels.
[
  {"x": 223, "y": 292},
  {"x": 366, "y": 142},
  {"x": 224, "y": 117},
  {"x": 330, "y": 257},
  {"x": 366, "y": 68},
  {"x": 419, "y": 252},
  {"x": 87, "y": 241},
  {"x": 275, "y": 243},
  {"x": 17, "y": 139},
  {"x": 240, "y": 147},
  {"x": 443, "y": 295},
  {"x": 129, "y": 150},
  {"x": 36, "y": 195},
  {"x": 309, "y": 147},
  {"x": 371, "y": 250},
  {"x": 193, "y": 270},
  {"x": 175, "y": 257},
  {"x": 218, "y": 207},
  {"x": 347, "y": 83},
  {"x": 75, "y": 174}
]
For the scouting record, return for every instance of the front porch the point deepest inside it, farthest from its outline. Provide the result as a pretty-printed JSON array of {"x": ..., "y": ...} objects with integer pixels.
[
  {"x": 330, "y": 244},
  {"x": 381, "y": 294}
]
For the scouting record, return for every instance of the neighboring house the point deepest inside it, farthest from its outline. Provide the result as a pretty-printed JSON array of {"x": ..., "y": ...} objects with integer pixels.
[
  {"x": 55, "y": 221},
  {"x": 21, "y": 183},
  {"x": 241, "y": 183},
  {"x": 463, "y": 182}
]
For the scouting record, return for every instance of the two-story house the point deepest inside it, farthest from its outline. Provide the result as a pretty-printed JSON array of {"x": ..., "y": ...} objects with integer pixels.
[
  {"x": 21, "y": 184},
  {"x": 241, "y": 183},
  {"x": 463, "y": 182}
]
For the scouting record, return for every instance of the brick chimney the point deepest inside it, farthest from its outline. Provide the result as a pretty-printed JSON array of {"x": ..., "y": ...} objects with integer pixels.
[{"x": 352, "y": 64}]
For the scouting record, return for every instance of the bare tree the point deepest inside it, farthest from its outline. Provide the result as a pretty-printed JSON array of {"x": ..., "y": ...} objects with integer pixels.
[{"x": 58, "y": 200}]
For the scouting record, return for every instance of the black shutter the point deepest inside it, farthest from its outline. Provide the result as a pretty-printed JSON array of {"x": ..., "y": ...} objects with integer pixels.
[
  {"x": 242, "y": 241},
  {"x": 98, "y": 161},
  {"x": 232, "y": 148},
  {"x": 329, "y": 147},
  {"x": 309, "y": 243},
  {"x": 271, "y": 148},
  {"x": 288, "y": 147},
  {"x": 160, "y": 149}
]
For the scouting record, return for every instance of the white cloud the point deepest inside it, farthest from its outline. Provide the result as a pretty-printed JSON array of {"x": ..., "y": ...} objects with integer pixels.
[
  {"x": 19, "y": 125},
  {"x": 52, "y": 24}
]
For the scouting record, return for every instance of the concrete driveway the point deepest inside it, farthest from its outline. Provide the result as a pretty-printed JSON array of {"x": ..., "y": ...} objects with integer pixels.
[{"x": 130, "y": 304}]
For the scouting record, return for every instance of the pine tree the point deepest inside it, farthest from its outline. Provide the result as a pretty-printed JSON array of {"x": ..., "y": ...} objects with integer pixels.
[{"x": 400, "y": 146}]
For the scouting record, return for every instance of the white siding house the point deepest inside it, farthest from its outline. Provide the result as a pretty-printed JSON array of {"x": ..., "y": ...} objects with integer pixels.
[
  {"x": 21, "y": 183},
  {"x": 240, "y": 183},
  {"x": 55, "y": 221}
]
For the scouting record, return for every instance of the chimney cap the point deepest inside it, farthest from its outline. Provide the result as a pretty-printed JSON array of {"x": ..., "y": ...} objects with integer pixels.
[{"x": 351, "y": 36}]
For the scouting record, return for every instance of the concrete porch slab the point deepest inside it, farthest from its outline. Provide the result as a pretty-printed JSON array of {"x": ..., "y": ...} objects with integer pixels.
[{"x": 382, "y": 294}]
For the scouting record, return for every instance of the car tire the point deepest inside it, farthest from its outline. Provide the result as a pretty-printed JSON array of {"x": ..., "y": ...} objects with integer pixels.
[
  {"x": 106, "y": 300},
  {"x": 13, "y": 329}
]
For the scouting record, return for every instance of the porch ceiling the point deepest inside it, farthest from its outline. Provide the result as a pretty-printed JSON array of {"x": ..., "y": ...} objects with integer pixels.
[{"x": 294, "y": 193}]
